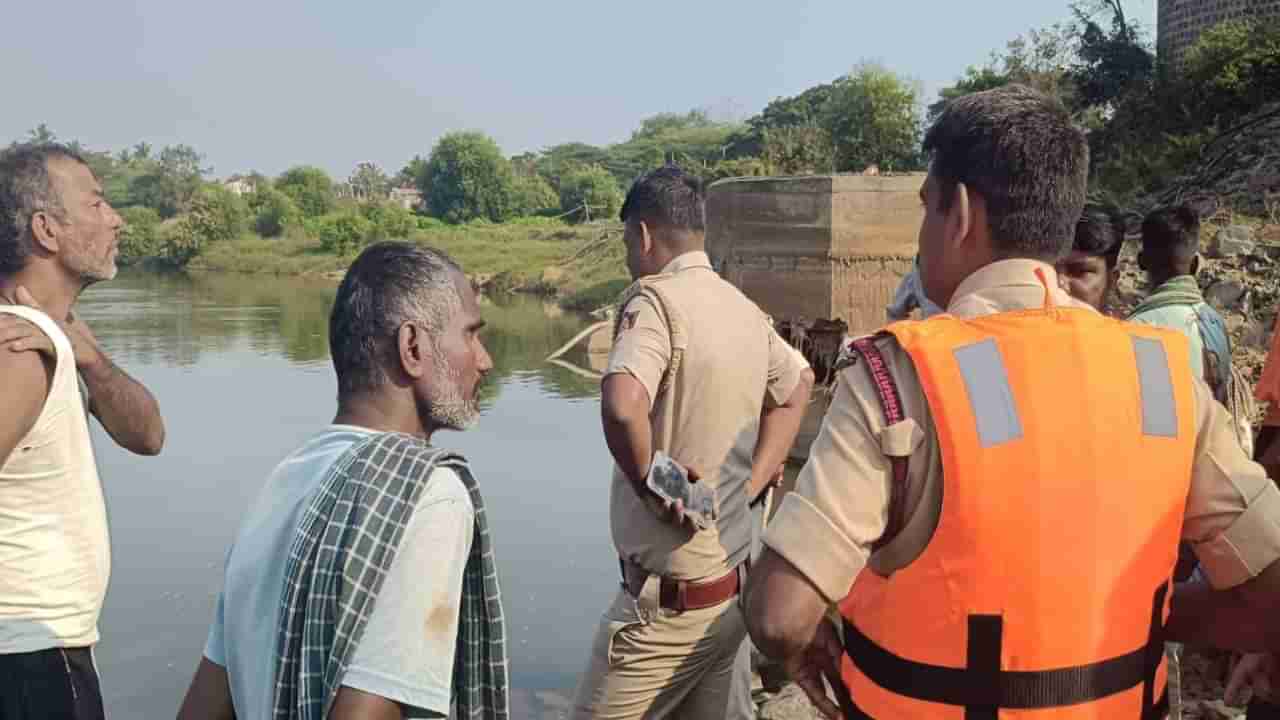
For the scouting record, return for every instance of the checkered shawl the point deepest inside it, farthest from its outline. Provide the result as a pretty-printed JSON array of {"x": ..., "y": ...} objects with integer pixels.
[{"x": 340, "y": 556}]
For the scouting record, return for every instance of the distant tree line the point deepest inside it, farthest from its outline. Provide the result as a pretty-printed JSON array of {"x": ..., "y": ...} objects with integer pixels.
[
  {"x": 1146, "y": 123},
  {"x": 174, "y": 210}
]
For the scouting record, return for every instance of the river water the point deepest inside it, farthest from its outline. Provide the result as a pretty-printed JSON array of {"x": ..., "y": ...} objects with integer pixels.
[{"x": 240, "y": 367}]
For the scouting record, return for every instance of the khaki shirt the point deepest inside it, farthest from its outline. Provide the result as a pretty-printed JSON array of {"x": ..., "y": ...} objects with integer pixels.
[
  {"x": 1268, "y": 390},
  {"x": 840, "y": 507},
  {"x": 705, "y": 409}
]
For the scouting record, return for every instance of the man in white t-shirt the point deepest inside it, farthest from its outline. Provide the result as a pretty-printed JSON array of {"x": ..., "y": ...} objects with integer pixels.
[
  {"x": 58, "y": 235},
  {"x": 404, "y": 335}
]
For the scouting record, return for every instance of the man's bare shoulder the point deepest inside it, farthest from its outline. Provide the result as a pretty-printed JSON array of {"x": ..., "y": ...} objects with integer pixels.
[
  {"x": 25, "y": 375},
  {"x": 25, "y": 386}
]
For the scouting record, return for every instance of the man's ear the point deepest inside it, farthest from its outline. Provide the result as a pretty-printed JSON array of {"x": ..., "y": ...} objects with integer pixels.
[
  {"x": 960, "y": 218},
  {"x": 411, "y": 351},
  {"x": 45, "y": 230},
  {"x": 646, "y": 239}
]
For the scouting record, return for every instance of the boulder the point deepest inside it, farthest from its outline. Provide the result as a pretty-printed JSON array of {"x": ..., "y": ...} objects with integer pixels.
[
  {"x": 1256, "y": 334},
  {"x": 789, "y": 704},
  {"x": 1232, "y": 241},
  {"x": 1226, "y": 294}
]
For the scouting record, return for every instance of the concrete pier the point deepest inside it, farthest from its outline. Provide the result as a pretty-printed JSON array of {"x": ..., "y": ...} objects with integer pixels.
[{"x": 815, "y": 249}]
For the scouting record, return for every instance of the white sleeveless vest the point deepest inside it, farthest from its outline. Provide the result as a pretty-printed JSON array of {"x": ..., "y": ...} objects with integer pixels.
[{"x": 55, "y": 554}]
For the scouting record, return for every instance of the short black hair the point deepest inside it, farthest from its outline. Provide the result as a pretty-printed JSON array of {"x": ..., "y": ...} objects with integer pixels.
[
  {"x": 1019, "y": 150},
  {"x": 389, "y": 284},
  {"x": 667, "y": 197},
  {"x": 1172, "y": 232},
  {"x": 26, "y": 189},
  {"x": 1100, "y": 233}
]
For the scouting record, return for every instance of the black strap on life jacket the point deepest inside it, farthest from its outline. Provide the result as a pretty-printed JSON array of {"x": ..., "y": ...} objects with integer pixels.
[{"x": 983, "y": 689}]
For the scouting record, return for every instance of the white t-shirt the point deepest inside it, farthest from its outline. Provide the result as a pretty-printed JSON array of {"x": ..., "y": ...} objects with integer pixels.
[
  {"x": 55, "y": 554},
  {"x": 407, "y": 651}
]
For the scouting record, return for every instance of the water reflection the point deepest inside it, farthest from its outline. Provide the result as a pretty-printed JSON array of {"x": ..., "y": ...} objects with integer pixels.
[
  {"x": 174, "y": 319},
  {"x": 240, "y": 366}
]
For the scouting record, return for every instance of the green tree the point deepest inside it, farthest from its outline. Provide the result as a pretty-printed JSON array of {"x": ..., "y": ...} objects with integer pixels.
[
  {"x": 666, "y": 123},
  {"x": 468, "y": 178},
  {"x": 41, "y": 134},
  {"x": 369, "y": 183},
  {"x": 1110, "y": 61},
  {"x": 690, "y": 140},
  {"x": 803, "y": 110},
  {"x": 309, "y": 187},
  {"x": 1042, "y": 59},
  {"x": 874, "y": 118},
  {"x": 974, "y": 80},
  {"x": 219, "y": 214},
  {"x": 169, "y": 185},
  {"x": 1233, "y": 69},
  {"x": 412, "y": 173},
  {"x": 273, "y": 211},
  {"x": 389, "y": 222},
  {"x": 181, "y": 241},
  {"x": 737, "y": 167},
  {"x": 797, "y": 150},
  {"x": 558, "y": 160},
  {"x": 344, "y": 233},
  {"x": 140, "y": 237},
  {"x": 532, "y": 194},
  {"x": 593, "y": 187}
]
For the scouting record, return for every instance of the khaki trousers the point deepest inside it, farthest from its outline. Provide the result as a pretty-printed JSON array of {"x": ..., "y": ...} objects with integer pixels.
[{"x": 649, "y": 663}]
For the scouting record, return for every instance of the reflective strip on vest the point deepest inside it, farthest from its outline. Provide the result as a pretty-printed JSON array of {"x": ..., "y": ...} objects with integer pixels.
[
  {"x": 1159, "y": 410},
  {"x": 987, "y": 382}
]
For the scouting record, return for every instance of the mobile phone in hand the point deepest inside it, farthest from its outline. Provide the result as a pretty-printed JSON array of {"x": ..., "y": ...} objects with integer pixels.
[{"x": 669, "y": 481}]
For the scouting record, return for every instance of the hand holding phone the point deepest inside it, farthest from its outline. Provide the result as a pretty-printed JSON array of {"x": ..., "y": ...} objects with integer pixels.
[{"x": 671, "y": 482}]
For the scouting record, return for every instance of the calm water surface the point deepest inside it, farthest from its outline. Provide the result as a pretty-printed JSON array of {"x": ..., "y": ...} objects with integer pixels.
[{"x": 241, "y": 369}]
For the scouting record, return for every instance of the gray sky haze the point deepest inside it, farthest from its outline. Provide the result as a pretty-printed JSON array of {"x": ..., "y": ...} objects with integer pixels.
[{"x": 267, "y": 84}]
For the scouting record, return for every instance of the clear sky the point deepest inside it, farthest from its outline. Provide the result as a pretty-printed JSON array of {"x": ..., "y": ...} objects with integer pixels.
[{"x": 266, "y": 84}]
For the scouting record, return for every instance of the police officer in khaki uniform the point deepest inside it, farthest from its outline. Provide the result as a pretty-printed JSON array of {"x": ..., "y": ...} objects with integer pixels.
[
  {"x": 995, "y": 201},
  {"x": 696, "y": 371}
]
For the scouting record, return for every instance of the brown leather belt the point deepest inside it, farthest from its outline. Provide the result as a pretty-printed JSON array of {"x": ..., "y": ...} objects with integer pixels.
[{"x": 682, "y": 595}]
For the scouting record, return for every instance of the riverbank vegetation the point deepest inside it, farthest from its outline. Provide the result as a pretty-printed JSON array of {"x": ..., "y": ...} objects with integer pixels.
[{"x": 533, "y": 220}]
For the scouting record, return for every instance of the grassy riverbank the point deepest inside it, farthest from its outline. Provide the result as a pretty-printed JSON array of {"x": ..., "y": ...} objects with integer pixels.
[{"x": 582, "y": 265}]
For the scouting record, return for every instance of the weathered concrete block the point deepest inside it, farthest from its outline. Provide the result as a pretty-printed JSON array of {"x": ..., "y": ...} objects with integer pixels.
[
  {"x": 830, "y": 247},
  {"x": 816, "y": 248},
  {"x": 1232, "y": 241}
]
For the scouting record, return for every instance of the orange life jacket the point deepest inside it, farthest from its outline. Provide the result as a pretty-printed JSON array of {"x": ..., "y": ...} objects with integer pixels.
[{"x": 1067, "y": 441}]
